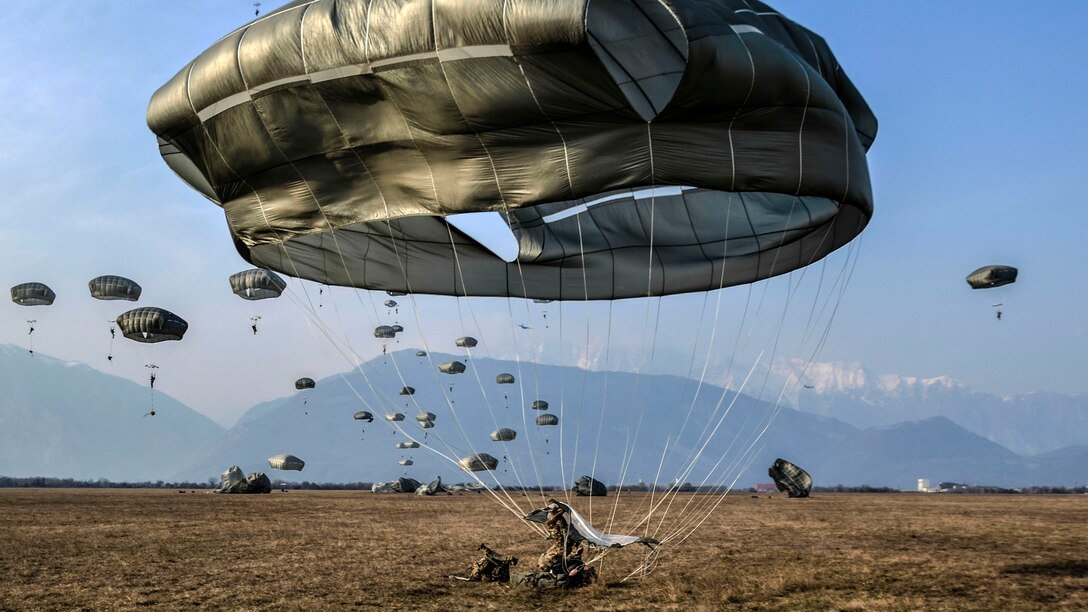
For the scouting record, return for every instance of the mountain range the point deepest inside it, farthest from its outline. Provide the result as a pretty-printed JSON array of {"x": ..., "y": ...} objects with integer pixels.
[{"x": 845, "y": 425}]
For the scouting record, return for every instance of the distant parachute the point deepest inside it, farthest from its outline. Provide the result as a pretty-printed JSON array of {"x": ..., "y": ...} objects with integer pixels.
[
  {"x": 149, "y": 324},
  {"x": 393, "y": 417},
  {"x": 504, "y": 434},
  {"x": 390, "y": 303},
  {"x": 547, "y": 419},
  {"x": 478, "y": 462},
  {"x": 114, "y": 288},
  {"x": 451, "y": 367},
  {"x": 395, "y": 293},
  {"x": 385, "y": 331},
  {"x": 363, "y": 415},
  {"x": 988, "y": 277},
  {"x": 305, "y": 383},
  {"x": 407, "y": 391},
  {"x": 32, "y": 294},
  {"x": 410, "y": 444},
  {"x": 465, "y": 342},
  {"x": 504, "y": 379},
  {"x": 257, "y": 284},
  {"x": 589, "y": 486},
  {"x": 540, "y": 405},
  {"x": 790, "y": 478},
  {"x": 406, "y": 462},
  {"x": 421, "y": 353},
  {"x": 397, "y": 329},
  {"x": 286, "y": 462}
]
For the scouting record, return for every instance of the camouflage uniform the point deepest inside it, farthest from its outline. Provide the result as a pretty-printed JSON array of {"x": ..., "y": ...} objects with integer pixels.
[
  {"x": 492, "y": 567},
  {"x": 553, "y": 560}
]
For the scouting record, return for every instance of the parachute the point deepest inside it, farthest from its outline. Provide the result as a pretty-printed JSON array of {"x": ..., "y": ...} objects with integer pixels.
[
  {"x": 504, "y": 379},
  {"x": 466, "y": 342},
  {"x": 547, "y": 419},
  {"x": 257, "y": 284},
  {"x": 305, "y": 383},
  {"x": 451, "y": 367},
  {"x": 405, "y": 462},
  {"x": 425, "y": 416},
  {"x": 503, "y": 434},
  {"x": 286, "y": 462},
  {"x": 421, "y": 353},
  {"x": 432, "y": 488},
  {"x": 390, "y": 303},
  {"x": 410, "y": 444},
  {"x": 407, "y": 391},
  {"x": 589, "y": 486},
  {"x": 394, "y": 417},
  {"x": 478, "y": 462},
  {"x": 385, "y": 331},
  {"x": 363, "y": 415},
  {"x": 114, "y": 288},
  {"x": 149, "y": 324},
  {"x": 790, "y": 478},
  {"x": 32, "y": 294},
  {"x": 635, "y": 149},
  {"x": 405, "y": 485},
  {"x": 988, "y": 277},
  {"x": 234, "y": 480}
]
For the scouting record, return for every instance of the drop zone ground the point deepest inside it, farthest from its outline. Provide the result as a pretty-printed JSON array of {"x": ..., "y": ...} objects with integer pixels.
[{"x": 108, "y": 549}]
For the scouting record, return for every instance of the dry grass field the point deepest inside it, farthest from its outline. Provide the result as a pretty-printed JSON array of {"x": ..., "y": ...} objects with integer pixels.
[{"x": 308, "y": 550}]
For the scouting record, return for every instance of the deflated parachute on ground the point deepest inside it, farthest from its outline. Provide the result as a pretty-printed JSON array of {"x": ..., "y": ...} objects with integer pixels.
[
  {"x": 234, "y": 480},
  {"x": 597, "y": 129},
  {"x": 589, "y": 486},
  {"x": 790, "y": 478}
]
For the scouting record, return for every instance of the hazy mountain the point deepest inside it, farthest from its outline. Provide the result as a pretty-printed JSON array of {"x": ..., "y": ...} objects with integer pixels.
[
  {"x": 68, "y": 420},
  {"x": 1026, "y": 423},
  {"x": 606, "y": 416}
]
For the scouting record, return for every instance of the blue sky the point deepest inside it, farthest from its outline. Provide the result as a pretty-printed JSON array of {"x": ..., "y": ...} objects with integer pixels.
[{"x": 979, "y": 159}]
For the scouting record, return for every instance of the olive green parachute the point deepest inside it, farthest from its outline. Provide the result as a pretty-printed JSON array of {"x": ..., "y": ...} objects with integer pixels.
[
  {"x": 421, "y": 353},
  {"x": 363, "y": 415},
  {"x": 393, "y": 417},
  {"x": 235, "y": 481},
  {"x": 504, "y": 434},
  {"x": 149, "y": 324},
  {"x": 397, "y": 329},
  {"x": 385, "y": 331},
  {"x": 405, "y": 485},
  {"x": 466, "y": 342},
  {"x": 286, "y": 462},
  {"x": 589, "y": 486},
  {"x": 410, "y": 444},
  {"x": 32, "y": 294},
  {"x": 790, "y": 478},
  {"x": 407, "y": 391},
  {"x": 257, "y": 284},
  {"x": 406, "y": 462},
  {"x": 988, "y": 277},
  {"x": 425, "y": 416},
  {"x": 540, "y": 405},
  {"x": 504, "y": 379},
  {"x": 451, "y": 367},
  {"x": 114, "y": 288},
  {"x": 478, "y": 462},
  {"x": 547, "y": 419},
  {"x": 338, "y": 136},
  {"x": 390, "y": 303},
  {"x": 305, "y": 383}
]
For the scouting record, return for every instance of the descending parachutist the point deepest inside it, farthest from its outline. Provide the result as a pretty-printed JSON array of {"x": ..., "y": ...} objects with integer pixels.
[
  {"x": 998, "y": 315},
  {"x": 113, "y": 333},
  {"x": 152, "y": 380},
  {"x": 109, "y": 358}
]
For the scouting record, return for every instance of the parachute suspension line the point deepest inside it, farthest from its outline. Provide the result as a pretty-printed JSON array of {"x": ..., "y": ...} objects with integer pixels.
[
  {"x": 476, "y": 372},
  {"x": 604, "y": 402},
  {"x": 585, "y": 377}
]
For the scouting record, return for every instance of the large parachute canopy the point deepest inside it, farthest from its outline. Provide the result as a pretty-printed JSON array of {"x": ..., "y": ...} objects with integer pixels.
[
  {"x": 257, "y": 284},
  {"x": 988, "y": 277},
  {"x": 32, "y": 294},
  {"x": 367, "y": 132},
  {"x": 114, "y": 288},
  {"x": 149, "y": 324},
  {"x": 790, "y": 478},
  {"x": 478, "y": 462},
  {"x": 286, "y": 462}
]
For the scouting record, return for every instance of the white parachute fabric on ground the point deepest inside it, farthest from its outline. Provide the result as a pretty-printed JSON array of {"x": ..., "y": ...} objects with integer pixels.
[{"x": 585, "y": 529}]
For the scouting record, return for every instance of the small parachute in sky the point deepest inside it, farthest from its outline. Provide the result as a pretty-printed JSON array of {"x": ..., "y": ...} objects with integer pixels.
[
  {"x": 539, "y": 301},
  {"x": 478, "y": 462},
  {"x": 407, "y": 391},
  {"x": 394, "y": 417},
  {"x": 790, "y": 478},
  {"x": 149, "y": 324},
  {"x": 257, "y": 284},
  {"x": 114, "y": 288},
  {"x": 451, "y": 367},
  {"x": 32, "y": 294},
  {"x": 385, "y": 331},
  {"x": 540, "y": 405},
  {"x": 547, "y": 419},
  {"x": 390, "y": 303},
  {"x": 504, "y": 434},
  {"x": 363, "y": 415},
  {"x": 395, "y": 293},
  {"x": 406, "y": 462},
  {"x": 305, "y": 383},
  {"x": 504, "y": 379},
  {"x": 466, "y": 342},
  {"x": 426, "y": 424},
  {"x": 426, "y": 419},
  {"x": 410, "y": 444},
  {"x": 421, "y": 353},
  {"x": 988, "y": 277},
  {"x": 286, "y": 462},
  {"x": 397, "y": 329}
]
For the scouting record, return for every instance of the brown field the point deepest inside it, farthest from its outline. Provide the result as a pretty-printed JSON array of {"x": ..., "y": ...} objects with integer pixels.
[{"x": 306, "y": 550}]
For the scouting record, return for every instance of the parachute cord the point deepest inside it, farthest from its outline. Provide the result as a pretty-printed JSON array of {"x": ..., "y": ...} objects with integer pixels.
[{"x": 604, "y": 403}]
